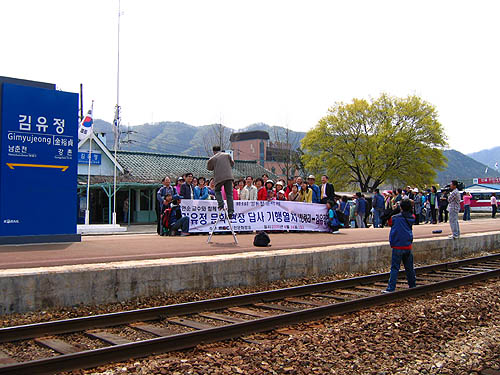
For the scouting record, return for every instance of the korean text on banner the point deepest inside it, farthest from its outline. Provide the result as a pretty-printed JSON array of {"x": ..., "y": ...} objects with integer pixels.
[{"x": 257, "y": 215}]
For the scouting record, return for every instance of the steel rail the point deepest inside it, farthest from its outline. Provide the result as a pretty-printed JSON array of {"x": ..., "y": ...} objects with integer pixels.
[
  {"x": 29, "y": 331},
  {"x": 92, "y": 358}
]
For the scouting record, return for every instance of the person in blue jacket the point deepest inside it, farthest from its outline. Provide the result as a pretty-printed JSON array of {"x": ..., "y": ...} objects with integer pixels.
[
  {"x": 401, "y": 239},
  {"x": 333, "y": 221},
  {"x": 201, "y": 191},
  {"x": 316, "y": 194},
  {"x": 378, "y": 208}
]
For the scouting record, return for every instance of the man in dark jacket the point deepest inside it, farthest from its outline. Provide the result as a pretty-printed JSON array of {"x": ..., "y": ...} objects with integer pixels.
[
  {"x": 443, "y": 206},
  {"x": 360, "y": 210},
  {"x": 187, "y": 189},
  {"x": 401, "y": 239},
  {"x": 327, "y": 192},
  {"x": 378, "y": 208}
]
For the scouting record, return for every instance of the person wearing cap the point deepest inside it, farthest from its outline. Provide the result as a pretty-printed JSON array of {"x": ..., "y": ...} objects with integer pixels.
[
  {"x": 269, "y": 185},
  {"x": 327, "y": 192},
  {"x": 378, "y": 208},
  {"x": 222, "y": 164},
  {"x": 279, "y": 186},
  {"x": 315, "y": 189},
  {"x": 281, "y": 195},
  {"x": 176, "y": 220}
]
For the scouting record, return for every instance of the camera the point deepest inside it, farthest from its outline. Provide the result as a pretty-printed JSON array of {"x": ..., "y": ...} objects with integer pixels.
[{"x": 447, "y": 188}]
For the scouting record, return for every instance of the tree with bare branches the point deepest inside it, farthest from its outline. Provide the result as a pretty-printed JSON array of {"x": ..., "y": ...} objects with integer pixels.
[
  {"x": 217, "y": 135},
  {"x": 283, "y": 151}
]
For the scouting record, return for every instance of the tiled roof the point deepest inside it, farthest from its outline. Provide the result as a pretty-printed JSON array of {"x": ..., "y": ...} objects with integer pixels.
[{"x": 153, "y": 167}]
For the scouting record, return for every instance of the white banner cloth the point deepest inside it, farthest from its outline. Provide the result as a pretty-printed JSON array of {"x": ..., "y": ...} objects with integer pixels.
[{"x": 257, "y": 215}]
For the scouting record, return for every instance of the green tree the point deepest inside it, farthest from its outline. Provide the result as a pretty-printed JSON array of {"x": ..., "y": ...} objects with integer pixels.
[{"x": 366, "y": 143}]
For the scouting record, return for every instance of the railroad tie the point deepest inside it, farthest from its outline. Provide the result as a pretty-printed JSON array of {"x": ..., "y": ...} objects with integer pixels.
[
  {"x": 275, "y": 306},
  {"x": 108, "y": 337},
  {"x": 59, "y": 346},
  {"x": 6, "y": 359},
  {"x": 222, "y": 317},
  {"x": 242, "y": 310},
  {"x": 306, "y": 302},
  {"x": 154, "y": 330},
  {"x": 190, "y": 323}
]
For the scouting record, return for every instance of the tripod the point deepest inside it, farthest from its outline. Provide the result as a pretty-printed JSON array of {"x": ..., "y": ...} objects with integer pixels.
[{"x": 225, "y": 217}]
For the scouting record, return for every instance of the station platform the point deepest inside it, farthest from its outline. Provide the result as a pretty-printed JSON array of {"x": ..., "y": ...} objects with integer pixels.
[
  {"x": 124, "y": 247},
  {"x": 104, "y": 269}
]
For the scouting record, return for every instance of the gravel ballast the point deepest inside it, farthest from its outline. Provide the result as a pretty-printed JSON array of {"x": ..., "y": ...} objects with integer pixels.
[{"x": 452, "y": 332}]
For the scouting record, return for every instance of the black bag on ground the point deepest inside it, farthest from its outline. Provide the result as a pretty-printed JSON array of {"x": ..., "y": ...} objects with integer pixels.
[
  {"x": 340, "y": 217},
  {"x": 261, "y": 239}
]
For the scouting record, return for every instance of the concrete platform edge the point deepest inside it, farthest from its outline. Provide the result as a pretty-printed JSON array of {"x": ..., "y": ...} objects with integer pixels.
[
  {"x": 40, "y": 239},
  {"x": 34, "y": 289}
]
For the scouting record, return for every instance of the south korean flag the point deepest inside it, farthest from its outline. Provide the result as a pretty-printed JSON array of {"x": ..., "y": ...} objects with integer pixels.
[{"x": 86, "y": 126}]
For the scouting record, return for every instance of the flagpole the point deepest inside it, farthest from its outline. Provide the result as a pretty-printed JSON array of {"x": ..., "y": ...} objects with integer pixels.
[
  {"x": 117, "y": 113},
  {"x": 87, "y": 211}
]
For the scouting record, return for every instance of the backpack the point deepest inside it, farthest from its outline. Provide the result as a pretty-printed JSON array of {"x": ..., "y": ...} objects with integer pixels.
[{"x": 261, "y": 239}]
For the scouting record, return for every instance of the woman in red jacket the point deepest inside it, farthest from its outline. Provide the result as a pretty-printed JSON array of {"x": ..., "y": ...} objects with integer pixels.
[{"x": 261, "y": 190}]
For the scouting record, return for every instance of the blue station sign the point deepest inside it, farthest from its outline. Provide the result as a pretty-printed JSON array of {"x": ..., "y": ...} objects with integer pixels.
[
  {"x": 38, "y": 171},
  {"x": 83, "y": 158}
]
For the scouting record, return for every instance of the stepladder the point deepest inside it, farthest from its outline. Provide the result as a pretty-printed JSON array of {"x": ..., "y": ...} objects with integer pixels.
[{"x": 222, "y": 216}]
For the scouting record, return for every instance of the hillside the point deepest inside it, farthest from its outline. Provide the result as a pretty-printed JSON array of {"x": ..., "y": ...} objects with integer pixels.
[
  {"x": 463, "y": 168},
  {"x": 489, "y": 157},
  {"x": 181, "y": 138}
]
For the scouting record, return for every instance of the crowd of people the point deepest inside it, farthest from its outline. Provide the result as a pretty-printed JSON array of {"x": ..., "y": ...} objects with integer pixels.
[
  {"x": 261, "y": 188},
  {"x": 429, "y": 206},
  {"x": 296, "y": 189}
]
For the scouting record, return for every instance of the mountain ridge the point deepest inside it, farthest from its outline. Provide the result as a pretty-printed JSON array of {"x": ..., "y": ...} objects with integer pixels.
[{"x": 489, "y": 156}]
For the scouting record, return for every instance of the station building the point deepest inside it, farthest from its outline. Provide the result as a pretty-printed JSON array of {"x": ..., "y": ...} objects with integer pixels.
[
  {"x": 139, "y": 176},
  {"x": 256, "y": 145}
]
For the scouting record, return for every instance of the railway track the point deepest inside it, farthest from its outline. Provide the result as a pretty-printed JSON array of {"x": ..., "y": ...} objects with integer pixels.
[{"x": 139, "y": 333}]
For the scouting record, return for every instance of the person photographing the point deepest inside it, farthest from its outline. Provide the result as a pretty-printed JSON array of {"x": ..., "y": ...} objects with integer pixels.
[
  {"x": 222, "y": 164},
  {"x": 401, "y": 240},
  {"x": 454, "y": 209}
]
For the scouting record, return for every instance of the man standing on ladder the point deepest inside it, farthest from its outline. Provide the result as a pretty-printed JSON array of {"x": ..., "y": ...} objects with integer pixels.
[{"x": 222, "y": 164}]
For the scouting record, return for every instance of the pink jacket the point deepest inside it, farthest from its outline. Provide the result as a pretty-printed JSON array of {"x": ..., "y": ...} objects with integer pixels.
[{"x": 235, "y": 194}]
